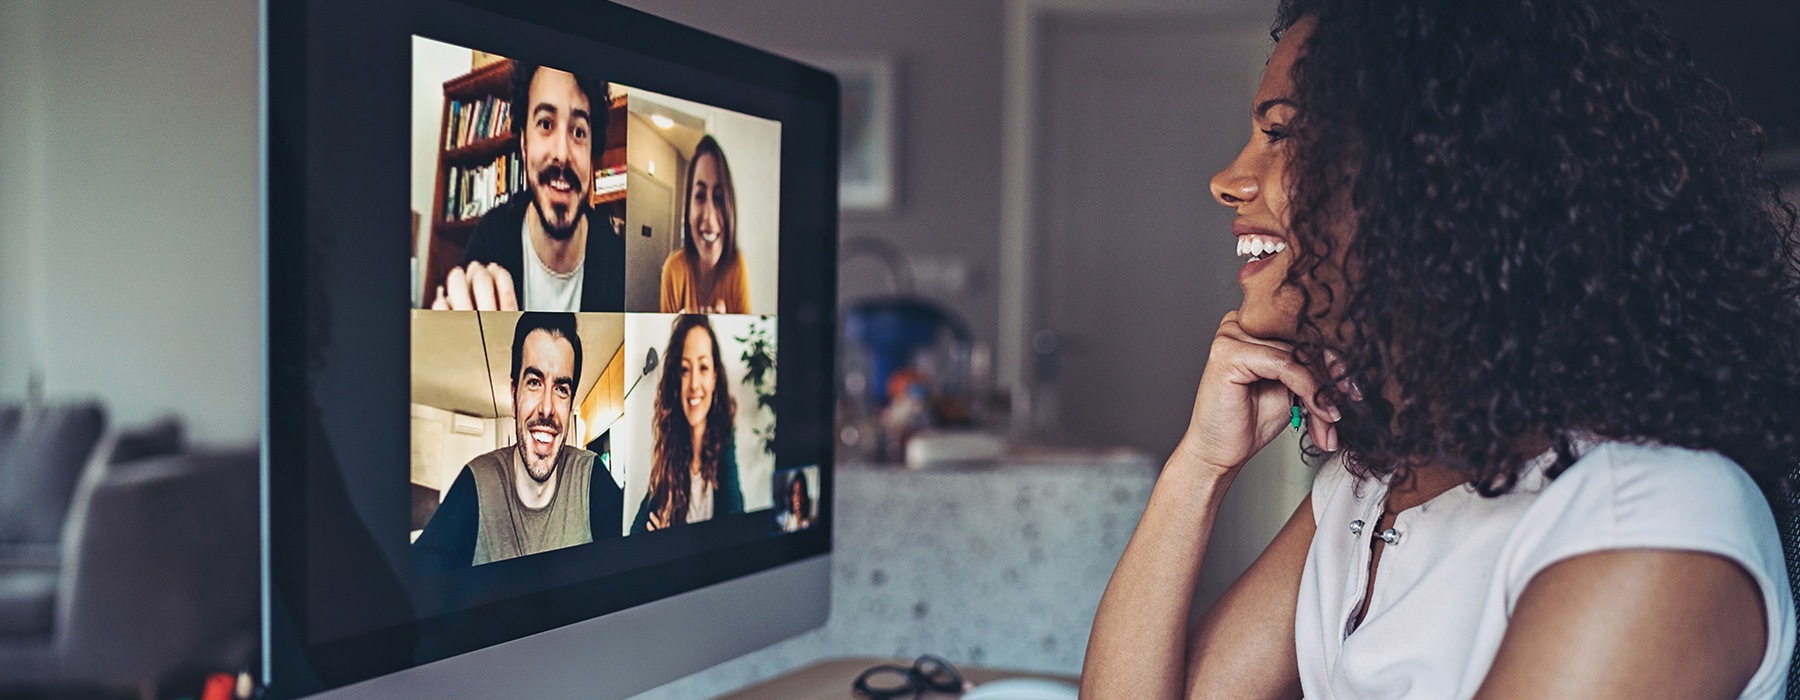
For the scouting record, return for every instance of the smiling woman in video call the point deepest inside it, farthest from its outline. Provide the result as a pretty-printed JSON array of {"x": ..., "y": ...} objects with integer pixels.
[
  {"x": 1521, "y": 268},
  {"x": 693, "y": 467},
  {"x": 707, "y": 275}
]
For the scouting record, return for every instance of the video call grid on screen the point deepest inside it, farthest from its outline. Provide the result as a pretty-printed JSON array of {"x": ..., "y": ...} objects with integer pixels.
[{"x": 645, "y": 225}]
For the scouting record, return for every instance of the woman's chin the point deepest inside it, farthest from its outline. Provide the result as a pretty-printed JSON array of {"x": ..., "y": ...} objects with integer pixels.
[{"x": 1260, "y": 321}]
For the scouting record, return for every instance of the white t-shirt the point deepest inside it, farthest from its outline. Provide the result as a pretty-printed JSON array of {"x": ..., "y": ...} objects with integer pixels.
[
  {"x": 700, "y": 499},
  {"x": 1446, "y": 590},
  {"x": 544, "y": 289}
]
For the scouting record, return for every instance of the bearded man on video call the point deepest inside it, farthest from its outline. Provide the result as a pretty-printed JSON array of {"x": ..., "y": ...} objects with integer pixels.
[
  {"x": 540, "y": 250},
  {"x": 539, "y": 493}
]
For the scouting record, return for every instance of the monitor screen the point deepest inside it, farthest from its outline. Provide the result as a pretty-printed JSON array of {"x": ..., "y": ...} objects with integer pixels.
[{"x": 550, "y": 323}]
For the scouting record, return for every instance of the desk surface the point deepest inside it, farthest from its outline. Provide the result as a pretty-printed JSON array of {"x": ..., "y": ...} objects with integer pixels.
[{"x": 830, "y": 679}]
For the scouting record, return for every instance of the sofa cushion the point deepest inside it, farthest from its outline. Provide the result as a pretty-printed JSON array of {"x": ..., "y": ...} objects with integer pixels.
[
  {"x": 39, "y": 468},
  {"x": 158, "y": 439},
  {"x": 9, "y": 426},
  {"x": 27, "y": 601}
]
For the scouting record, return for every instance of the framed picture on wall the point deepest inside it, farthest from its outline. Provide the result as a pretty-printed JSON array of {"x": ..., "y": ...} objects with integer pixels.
[{"x": 868, "y": 179}]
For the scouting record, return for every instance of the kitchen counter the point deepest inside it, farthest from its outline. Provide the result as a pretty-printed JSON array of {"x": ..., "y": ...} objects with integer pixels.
[{"x": 998, "y": 565}]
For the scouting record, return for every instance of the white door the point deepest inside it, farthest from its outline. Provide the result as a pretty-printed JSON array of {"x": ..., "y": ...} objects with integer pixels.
[{"x": 650, "y": 235}]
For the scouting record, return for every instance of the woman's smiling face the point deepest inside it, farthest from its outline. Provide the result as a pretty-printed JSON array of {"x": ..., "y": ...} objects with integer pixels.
[
  {"x": 1254, "y": 185},
  {"x": 709, "y": 210},
  {"x": 697, "y": 377}
]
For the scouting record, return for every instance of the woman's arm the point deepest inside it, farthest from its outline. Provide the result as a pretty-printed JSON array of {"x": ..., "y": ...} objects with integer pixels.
[
  {"x": 1140, "y": 644},
  {"x": 1632, "y": 623},
  {"x": 641, "y": 523},
  {"x": 1244, "y": 645}
]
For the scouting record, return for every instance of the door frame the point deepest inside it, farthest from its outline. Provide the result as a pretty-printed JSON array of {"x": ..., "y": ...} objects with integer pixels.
[{"x": 1026, "y": 25}]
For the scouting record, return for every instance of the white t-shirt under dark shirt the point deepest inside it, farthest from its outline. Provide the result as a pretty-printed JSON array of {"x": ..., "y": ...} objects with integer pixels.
[
  {"x": 1447, "y": 589},
  {"x": 545, "y": 290},
  {"x": 700, "y": 499}
]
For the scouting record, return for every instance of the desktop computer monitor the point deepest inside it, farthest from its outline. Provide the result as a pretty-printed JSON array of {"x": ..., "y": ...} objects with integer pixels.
[{"x": 550, "y": 325}]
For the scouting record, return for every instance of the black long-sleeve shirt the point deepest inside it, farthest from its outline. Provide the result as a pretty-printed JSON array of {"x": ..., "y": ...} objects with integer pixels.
[{"x": 448, "y": 541}]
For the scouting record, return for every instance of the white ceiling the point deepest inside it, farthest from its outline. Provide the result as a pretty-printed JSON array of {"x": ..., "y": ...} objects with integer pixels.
[{"x": 684, "y": 135}]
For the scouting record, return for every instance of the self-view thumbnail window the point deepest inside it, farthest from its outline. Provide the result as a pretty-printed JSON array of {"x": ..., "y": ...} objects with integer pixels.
[{"x": 796, "y": 498}]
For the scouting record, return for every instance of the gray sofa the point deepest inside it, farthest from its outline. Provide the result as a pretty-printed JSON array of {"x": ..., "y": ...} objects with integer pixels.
[{"x": 125, "y": 559}]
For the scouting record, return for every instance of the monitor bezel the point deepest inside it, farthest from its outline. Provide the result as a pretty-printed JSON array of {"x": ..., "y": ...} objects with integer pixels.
[{"x": 287, "y": 44}]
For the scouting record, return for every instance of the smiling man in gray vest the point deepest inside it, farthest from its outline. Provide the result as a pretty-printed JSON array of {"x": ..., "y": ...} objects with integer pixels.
[{"x": 540, "y": 493}]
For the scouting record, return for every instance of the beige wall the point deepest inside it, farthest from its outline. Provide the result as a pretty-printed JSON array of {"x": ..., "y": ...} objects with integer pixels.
[
  {"x": 438, "y": 452},
  {"x": 643, "y": 146}
]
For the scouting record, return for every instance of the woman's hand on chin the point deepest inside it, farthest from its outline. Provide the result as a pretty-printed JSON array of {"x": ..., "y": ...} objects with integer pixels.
[{"x": 1245, "y": 400}]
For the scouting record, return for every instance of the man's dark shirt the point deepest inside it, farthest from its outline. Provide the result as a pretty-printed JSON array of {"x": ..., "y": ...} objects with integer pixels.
[
  {"x": 497, "y": 239},
  {"x": 448, "y": 541}
]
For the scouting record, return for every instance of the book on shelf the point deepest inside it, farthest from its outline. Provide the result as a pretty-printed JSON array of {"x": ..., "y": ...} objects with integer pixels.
[
  {"x": 471, "y": 192},
  {"x": 609, "y": 180},
  {"x": 469, "y": 122}
]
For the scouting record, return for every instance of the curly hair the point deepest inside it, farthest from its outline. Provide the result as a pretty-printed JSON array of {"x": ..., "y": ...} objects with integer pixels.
[
  {"x": 674, "y": 444},
  {"x": 1557, "y": 228}
]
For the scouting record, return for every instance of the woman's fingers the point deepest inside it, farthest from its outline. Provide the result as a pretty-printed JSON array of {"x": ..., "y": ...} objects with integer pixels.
[
  {"x": 1246, "y": 399},
  {"x": 1250, "y": 363},
  {"x": 1254, "y": 362}
]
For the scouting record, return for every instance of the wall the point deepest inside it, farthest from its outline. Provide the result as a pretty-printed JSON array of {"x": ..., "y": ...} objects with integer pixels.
[
  {"x": 434, "y": 63},
  {"x": 949, "y": 54},
  {"x": 439, "y": 453},
  {"x": 643, "y": 147},
  {"x": 21, "y": 157},
  {"x": 131, "y": 234}
]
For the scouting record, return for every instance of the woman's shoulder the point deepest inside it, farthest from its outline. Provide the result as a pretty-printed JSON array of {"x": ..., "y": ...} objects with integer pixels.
[
  {"x": 1650, "y": 496},
  {"x": 1648, "y": 484},
  {"x": 1633, "y": 496},
  {"x": 677, "y": 261}
]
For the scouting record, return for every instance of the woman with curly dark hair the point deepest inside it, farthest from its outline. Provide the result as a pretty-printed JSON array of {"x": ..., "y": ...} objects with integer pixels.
[
  {"x": 693, "y": 470},
  {"x": 1520, "y": 266}
]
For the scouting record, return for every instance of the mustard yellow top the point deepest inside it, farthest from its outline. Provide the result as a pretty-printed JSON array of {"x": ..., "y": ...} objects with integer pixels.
[{"x": 681, "y": 292}]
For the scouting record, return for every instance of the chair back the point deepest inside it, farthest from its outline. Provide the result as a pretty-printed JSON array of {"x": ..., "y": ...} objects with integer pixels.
[
  {"x": 42, "y": 453},
  {"x": 1787, "y": 521}
]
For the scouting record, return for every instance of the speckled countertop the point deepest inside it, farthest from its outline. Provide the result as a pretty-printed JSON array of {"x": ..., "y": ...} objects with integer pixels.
[{"x": 999, "y": 566}]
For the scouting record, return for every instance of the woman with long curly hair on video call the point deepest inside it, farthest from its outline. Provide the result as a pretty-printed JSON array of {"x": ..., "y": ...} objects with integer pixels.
[
  {"x": 694, "y": 470},
  {"x": 1518, "y": 274},
  {"x": 707, "y": 275}
]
